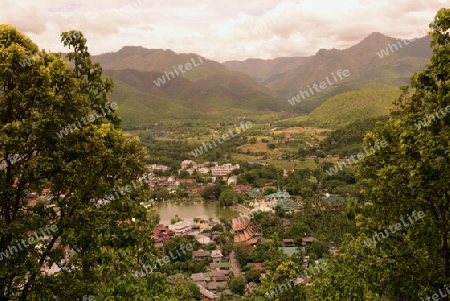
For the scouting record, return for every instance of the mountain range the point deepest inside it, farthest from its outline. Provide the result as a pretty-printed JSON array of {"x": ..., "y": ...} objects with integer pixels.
[{"x": 154, "y": 84}]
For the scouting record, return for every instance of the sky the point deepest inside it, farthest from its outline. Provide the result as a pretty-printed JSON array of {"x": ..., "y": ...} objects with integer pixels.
[{"x": 217, "y": 29}]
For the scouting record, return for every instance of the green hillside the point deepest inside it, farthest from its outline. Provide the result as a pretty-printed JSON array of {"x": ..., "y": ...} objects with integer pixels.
[
  {"x": 348, "y": 139},
  {"x": 348, "y": 107},
  {"x": 138, "y": 109}
]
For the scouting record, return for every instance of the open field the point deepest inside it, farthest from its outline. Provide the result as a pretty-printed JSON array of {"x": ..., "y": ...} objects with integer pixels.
[
  {"x": 301, "y": 130},
  {"x": 296, "y": 163}
]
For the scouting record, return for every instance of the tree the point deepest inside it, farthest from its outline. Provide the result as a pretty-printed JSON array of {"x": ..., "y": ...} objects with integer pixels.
[
  {"x": 298, "y": 230},
  {"x": 253, "y": 276},
  {"x": 211, "y": 246},
  {"x": 320, "y": 248},
  {"x": 178, "y": 248},
  {"x": 187, "y": 290},
  {"x": 227, "y": 198},
  {"x": 237, "y": 285},
  {"x": 407, "y": 179},
  {"x": 55, "y": 121},
  {"x": 184, "y": 174},
  {"x": 212, "y": 192},
  {"x": 217, "y": 227}
]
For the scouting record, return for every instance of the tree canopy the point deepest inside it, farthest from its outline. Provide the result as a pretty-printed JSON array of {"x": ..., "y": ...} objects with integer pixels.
[{"x": 56, "y": 180}]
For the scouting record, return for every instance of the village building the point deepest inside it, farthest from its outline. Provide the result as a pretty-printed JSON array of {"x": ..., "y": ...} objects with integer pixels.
[
  {"x": 161, "y": 233},
  {"x": 245, "y": 230},
  {"x": 224, "y": 169},
  {"x": 181, "y": 228}
]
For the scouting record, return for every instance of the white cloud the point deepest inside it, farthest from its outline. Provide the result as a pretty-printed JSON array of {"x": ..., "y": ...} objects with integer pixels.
[{"x": 293, "y": 27}]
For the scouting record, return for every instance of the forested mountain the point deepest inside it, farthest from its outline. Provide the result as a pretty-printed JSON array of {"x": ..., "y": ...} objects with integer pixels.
[
  {"x": 151, "y": 86},
  {"x": 261, "y": 70},
  {"x": 364, "y": 64},
  {"x": 376, "y": 66}
]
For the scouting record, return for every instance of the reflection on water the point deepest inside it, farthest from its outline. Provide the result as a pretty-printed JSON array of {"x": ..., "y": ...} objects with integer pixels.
[{"x": 191, "y": 209}]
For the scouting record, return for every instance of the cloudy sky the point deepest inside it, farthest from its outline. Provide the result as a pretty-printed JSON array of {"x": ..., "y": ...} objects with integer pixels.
[{"x": 219, "y": 29}]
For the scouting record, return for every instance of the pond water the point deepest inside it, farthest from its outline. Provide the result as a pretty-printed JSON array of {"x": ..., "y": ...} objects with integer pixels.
[{"x": 192, "y": 209}]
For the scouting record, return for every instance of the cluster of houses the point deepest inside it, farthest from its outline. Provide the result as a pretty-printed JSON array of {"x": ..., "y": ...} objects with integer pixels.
[
  {"x": 214, "y": 282},
  {"x": 190, "y": 167}
]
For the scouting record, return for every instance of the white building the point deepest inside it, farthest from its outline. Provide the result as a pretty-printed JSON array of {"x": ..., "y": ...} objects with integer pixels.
[
  {"x": 224, "y": 169},
  {"x": 203, "y": 170},
  {"x": 185, "y": 164},
  {"x": 158, "y": 167},
  {"x": 181, "y": 228}
]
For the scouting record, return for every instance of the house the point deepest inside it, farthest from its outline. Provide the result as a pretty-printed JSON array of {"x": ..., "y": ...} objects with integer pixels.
[
  {"x": 277, "y": 196},
  {"x": 214, "y": 266},
  {"x": 207, "y": 293},
  {"x": 158, "y": 167},
  {"x": 213, "y": 286},
  {"x": 288, "y": 242},
  {"x": 224, "y": 169},
  {"x": 221, "y": 278},
  {"x": 218, "y": 273},
  {"x": 190, "y": 171},
  {"x": 245, "y": 230},
  {"x": 180, "y": 181},
  {"x": 307, "y": 241},
  {"x": 204, "y": 240},
  {"x": 188, "y": 163},
  {"x": 232, "y": 180},
  {"x": 224, "y": 266},
  {"x": 161, "y": 233},
  {"x": 203, "y": 170},
  {"x": 334, "y": 250},
  {"x": 287, "y": 171},
  {"x": 242, "y": 188},
  {"x": 201, "y": 255},
  {"x": 198, "y": 277},
  {"x": 256, "y": 266},
  {"x": 216, "y": 256},
  {"x": 181, "y": 228}
]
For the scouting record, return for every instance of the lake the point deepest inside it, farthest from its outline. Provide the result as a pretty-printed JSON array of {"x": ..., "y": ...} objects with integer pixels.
[{"x": 191, "y": 209}]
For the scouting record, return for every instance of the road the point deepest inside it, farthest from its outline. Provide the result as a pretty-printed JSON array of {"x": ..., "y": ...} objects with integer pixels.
[{"x": 234, "y": 264}]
